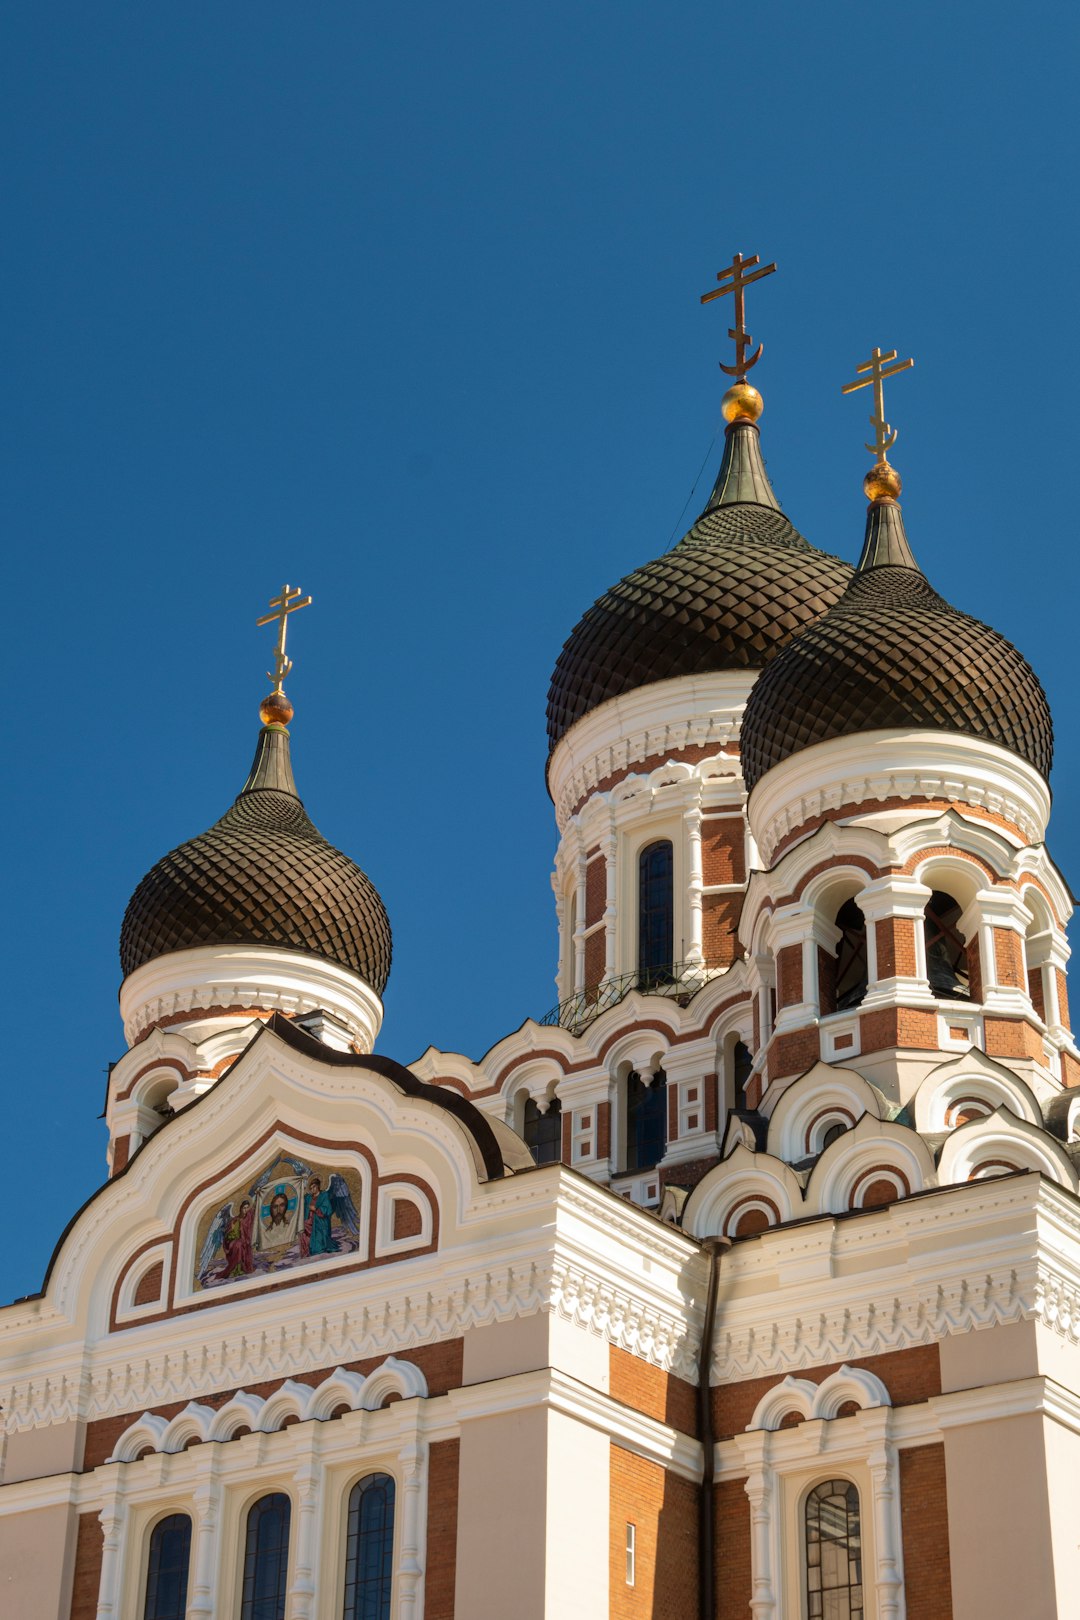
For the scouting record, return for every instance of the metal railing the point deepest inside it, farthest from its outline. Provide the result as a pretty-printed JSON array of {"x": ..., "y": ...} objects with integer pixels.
[{"x": 679, "y": 980}]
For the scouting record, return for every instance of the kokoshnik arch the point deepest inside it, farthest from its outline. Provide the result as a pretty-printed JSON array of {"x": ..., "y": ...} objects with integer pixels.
[{"x": 744, "y": 1283}]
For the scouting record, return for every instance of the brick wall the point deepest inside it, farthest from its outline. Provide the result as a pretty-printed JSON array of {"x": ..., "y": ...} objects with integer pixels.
[
  {"x": 723, "y": 849},
  {"x": 924, "y": 1518},
  {"x": 898, "y": 1026},
  {"x": 649, "y": 1389},
  {"x": 121, "y": 1149},
  {"x": 88, "y": 1546},
  {"x": 734, "y": 1581},
  {"x": 1009, "y": 957},
  {"x": 1011, "y": 1037},
  {"x": 1035, "y": 991},
  {"x": 793, "y": 1053},
  {"x": 408, "y": 1220},
  {"x": 595, "y": 957},
  {"x": 439, "y": 1363},
  {"x": 595, "y": 889},
  {"x": 895, "y": 940},
  {"x": 664, "y": 1512},
  {"x": 719, "y": 915},
  {"x": 789, "y": 975},
  {"x": 148, "y": 1287},
  {"x": 1063, "y": 998},
  {"x": 443, "y": 1474}
]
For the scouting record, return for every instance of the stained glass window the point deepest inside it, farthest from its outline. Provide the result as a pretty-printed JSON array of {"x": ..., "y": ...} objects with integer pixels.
[
  {"x": 167, "y": 1571},
  {"x": 834, "y": 1579},
  {"x": 266, "y": 1558},
  {"x": 369, "y": 1553}
]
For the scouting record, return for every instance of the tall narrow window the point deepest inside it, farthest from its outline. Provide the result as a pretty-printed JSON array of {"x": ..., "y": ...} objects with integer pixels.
[
  {"x": 656, "y": 915},
  {"x": 266, "y": 1558},
  {"x": 543, "y": 1132},
  {"x": 834, "y": 1585},
  {"x": 167, "y": 1570},
  {"x": 369, "y": 1555},
  {"x": 850, "y": 956},
  {"x": 646, "y": 1120},
  {"x": 742, "y": 1065},
  {"x": 946, "y": 952}
]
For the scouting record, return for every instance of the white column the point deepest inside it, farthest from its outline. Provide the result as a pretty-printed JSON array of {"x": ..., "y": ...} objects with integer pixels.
[
  {"x": 563, "y": 972},
  {"x": 579, "y": 927},
  {"x": 694, "y": 949},
  {"x": 309, "y": 1499},
  {"x": 410, "y": 1560},
  {"x": 609, "y": 846},
  {"x": 760, "y": 1488},
  {"x": 113, "y": 1518},
  {"x": 889, "y": 1554},
  {"x": 207, "y": 1501}
]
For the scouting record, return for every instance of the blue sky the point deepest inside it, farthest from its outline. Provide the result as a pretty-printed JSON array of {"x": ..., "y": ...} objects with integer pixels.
[{"x": 401, "y": 303}]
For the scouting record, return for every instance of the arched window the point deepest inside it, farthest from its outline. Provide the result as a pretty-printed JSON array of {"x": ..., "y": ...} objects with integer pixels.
[
  {"x": 834, "y": 1584},
  {"x": 656, "y": 914},
  {"x": 167, "y": 1570},
  {"x": 742, "y": 1066},
  {"x": 543, "y": 1132},
  {"x": 946, "y": 951},
  {"x": 266, "y": 1558},
  {"x": 851, "y": 972},
  {"x": 646, "y": 1120},
  {"x": 369, "y": 1555}
]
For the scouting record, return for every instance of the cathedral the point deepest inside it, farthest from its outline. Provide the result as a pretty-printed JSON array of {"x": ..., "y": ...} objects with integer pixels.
[{"x": 743, "y": 1285}]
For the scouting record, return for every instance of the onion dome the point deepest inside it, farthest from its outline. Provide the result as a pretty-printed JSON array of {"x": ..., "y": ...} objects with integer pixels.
[
  {"x": 729, "y": 595},
  {"x": 262, "y": 876},
  {"x": 890, "y": 655}
]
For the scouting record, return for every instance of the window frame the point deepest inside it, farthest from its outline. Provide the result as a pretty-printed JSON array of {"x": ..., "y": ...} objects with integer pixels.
[
  {"x": 172, "y": 1510},
  {"x": 653, "y": 973},
  {"x": 267, "y": 1489},
  {"x": 372, "y": 1475}
]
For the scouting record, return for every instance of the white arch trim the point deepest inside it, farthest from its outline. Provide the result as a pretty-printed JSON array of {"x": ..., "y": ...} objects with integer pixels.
[
  {"x": 1002, "y": 1142},
  {"x": 265, "y": 1416},
  {"x": 822, "y": 1400}
]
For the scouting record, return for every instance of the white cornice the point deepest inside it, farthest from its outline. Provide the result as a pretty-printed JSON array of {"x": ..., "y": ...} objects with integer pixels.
[
  {"x": 661, "y": 718},
  {"x": 881, "y": 765},
  {"x": 245, "y": 977}
]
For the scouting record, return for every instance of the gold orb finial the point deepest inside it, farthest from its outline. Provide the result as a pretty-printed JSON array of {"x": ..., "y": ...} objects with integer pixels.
[
  {"x": 275, "y": 709},
  {"x": 882, "y": 483},
  {"x": 742, "y": 403}
]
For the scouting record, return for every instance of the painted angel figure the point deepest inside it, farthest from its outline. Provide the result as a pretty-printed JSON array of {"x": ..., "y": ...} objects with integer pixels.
[
  {"x": 215, "y": 1238},
  {"x": 321, "y": 1206},
  {"x": 230, "y": 1235}
]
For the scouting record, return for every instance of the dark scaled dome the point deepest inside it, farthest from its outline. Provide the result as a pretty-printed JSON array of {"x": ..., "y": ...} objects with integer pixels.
[
  {"x": 894, "y": 655},
  {"x": 262, "y": 875},
  {"x": 728, "y": 596}
]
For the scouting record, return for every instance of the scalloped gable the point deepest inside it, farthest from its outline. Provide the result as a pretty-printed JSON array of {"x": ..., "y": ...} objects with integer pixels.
[{"x": 286, "y": 1091}]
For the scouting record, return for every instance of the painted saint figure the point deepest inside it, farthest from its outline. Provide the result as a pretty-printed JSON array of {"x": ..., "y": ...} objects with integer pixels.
[
  {"x": 315, "y": 1238},
  {"x": 239, "y": 1255}
]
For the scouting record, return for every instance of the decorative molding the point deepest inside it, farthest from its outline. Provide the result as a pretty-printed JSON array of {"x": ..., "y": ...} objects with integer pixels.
[
  {"x": 246, "y": 977},
  {"x": 301, "y": 1401},
  {"x": 664, "y": 717},
  {"x": 882, "y": 765}
]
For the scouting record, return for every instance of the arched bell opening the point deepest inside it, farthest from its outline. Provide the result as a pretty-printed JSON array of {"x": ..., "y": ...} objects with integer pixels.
[{"x": 949, "y": 956}]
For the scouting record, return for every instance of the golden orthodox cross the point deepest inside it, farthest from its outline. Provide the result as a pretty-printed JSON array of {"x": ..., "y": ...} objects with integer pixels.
[
  {"x": 737, "y": 285},
  {"x": 879, "y": 366},
  {"x": 289, "y": 601}
]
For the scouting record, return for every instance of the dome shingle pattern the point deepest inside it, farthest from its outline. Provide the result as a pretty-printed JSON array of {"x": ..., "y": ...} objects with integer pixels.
[
  {"x": 262, "y": 875},
  {"x": 892, "y": 654},
  {"x": 728, "y": 596}
]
